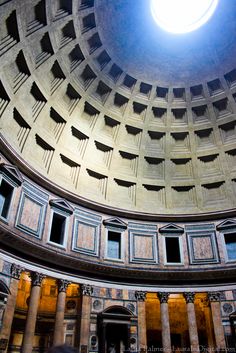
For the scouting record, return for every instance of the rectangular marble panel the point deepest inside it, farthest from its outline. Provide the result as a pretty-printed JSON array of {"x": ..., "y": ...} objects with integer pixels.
[
  {"x": 30, "y": 216},
  {"x": 143, "y": 248},
  {"x": 202, "y": 247},
  {"x": 31, "y": 213},
  {"x": 85, "y": 237},
  {"x": 143, "y": 243}
]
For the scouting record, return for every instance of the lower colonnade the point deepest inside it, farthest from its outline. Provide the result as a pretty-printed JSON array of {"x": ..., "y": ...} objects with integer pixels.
[{"x": 40, "y": 312}]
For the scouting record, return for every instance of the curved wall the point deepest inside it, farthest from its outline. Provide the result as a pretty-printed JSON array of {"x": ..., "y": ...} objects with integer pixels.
[{"x": 102, "y": 247}]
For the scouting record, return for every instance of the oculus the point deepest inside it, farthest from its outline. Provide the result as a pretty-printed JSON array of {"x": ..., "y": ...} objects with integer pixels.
[{"x": 182, "y": 16}]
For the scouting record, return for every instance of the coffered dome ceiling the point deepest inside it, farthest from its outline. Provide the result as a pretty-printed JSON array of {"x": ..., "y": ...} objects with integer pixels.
[{"x": 98, "y": 100}]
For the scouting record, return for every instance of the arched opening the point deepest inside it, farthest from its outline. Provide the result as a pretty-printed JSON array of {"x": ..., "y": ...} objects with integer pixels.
[{"x": 114, "y": 329}]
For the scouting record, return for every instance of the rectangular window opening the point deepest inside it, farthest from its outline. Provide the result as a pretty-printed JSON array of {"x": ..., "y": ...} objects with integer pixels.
[
  {"x": 172, "y": 250},
  {"x": 114, "y": 245},
  {"x": 6, "y": 192},
  {"x": 58, "y": 229},
  {"x": 230, "y": 243}
]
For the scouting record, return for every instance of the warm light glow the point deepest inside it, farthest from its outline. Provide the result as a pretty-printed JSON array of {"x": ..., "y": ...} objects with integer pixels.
[{"x": 181, "y": 16}]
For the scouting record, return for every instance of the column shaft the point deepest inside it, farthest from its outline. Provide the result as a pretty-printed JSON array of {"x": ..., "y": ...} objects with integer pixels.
[
  {"x": 10, "y": 306},
  {"x": 192, "y": 322},
  {"x": 165, "y": 323},
  {"x": 85, "y": 315},
  {"x": 192, "y": 326},
  {"x": 58, "y": 337},
  {"x": 142, "y": 331},
  {"x": 209, "y": 328},
  {"x": 85, "y": 320},
  {"x": 217, "y": 322},
  {"x": 28, "y": 338},
  {"x": 27, "y": 344},
  {"x": 165, "y": 326},
  {"x": 218, "y": 328}
]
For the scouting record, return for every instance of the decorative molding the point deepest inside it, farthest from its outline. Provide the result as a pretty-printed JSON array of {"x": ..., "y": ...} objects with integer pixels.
[
  {"x": 37, "y": 279},
  {"x": 189, "y": 297},
  {"x": 228, "y": 308},
  {"x": 12, "y": 172},
  {"x": 62, "y": 205},
  {"x": 228, "y": 224},
  {"x": 200, "y": 227},
  {"x": 171, "y": 228},
  {"x": 97, "y": 305},
  {"x": 16, "y": 271},
  {"x": 62, "y": 285},
  {"x": 140, "y": 296},
  {"x": 87, "y": 289},
  {"x": 163, "y": 297},
  {"x": 115, "y": 223}
]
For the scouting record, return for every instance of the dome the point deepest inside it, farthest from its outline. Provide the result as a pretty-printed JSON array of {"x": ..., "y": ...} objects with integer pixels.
[{"x": 118, "y": 112}]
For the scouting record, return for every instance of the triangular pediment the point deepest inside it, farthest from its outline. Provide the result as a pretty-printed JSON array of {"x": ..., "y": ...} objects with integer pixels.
[
  {"x": 12, "y": 172},
  {"x": 62, "y": 204},
  {"x": 115, "y": 223},
  {"x": 227, "y": 224},
  {"x": 171, "y": 228}
]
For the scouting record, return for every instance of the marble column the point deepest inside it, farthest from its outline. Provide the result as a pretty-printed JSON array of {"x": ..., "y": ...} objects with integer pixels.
[
  {"x": 214, "y": 298},
  {"x": 209, "y": 325},
  {"x": 28, "y": 338},
  {"x": 192, "y": 322},
  {"x": 10, "y": 306},
  {"x": 58, "y": 337},
  {"x": 142, "y": 331},
  {"x": 87, "y": 292},
  {"x": 165, "y": 323}
]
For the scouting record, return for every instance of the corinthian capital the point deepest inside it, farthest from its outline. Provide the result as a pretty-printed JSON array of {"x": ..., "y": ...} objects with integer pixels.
[
  {"x": 16, "y": 271},
  {"x": 163, "y": 297},
  {"x": 62, "y": 285},
  {"x": 189, "y": 297},
  {"x": 140, "y": 296},
  {"x": 87, "y": 289},
  {"x": 37, "y": 279},
  {"x": 213, "y": 296}
]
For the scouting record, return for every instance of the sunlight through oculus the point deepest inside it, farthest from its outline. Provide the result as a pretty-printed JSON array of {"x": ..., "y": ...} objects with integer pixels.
[{"x": 182, "y": 16}]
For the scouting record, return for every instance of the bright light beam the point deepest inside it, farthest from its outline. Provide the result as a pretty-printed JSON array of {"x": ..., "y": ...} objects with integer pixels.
[{"x": 182, "y": 16}]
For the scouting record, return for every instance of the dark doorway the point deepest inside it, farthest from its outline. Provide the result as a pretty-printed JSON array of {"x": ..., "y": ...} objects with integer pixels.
[
  {"x": 154, "y": 341},
  {"x": 176, "y": 342},
  {"x": 114, "y": 329},
  {"x": 116, "y": 338}
]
